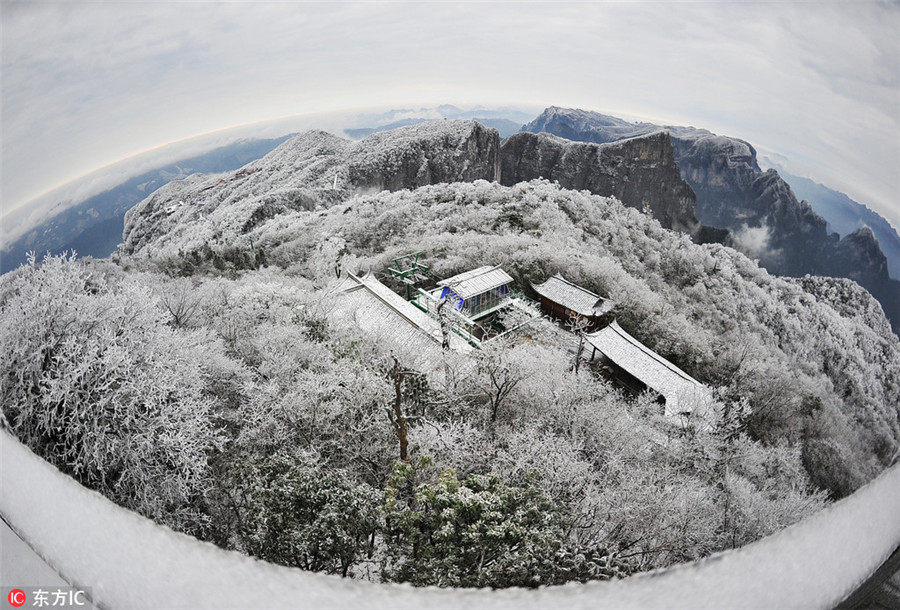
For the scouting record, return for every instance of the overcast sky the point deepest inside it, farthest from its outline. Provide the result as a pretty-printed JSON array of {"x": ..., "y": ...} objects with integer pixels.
[{"x": 87, "y": 84}]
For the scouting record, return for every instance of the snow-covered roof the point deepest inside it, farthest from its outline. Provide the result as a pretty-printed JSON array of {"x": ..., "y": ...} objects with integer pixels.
[
  {"x": 653, "y": 370},
  {"x": 572, "y": 296},
  {"x": 477, "y": 281},
  {"x": 378, "y": 310}
]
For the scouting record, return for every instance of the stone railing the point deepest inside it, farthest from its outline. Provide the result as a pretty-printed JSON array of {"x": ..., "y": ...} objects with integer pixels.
[{"x": 126, "y": 561}]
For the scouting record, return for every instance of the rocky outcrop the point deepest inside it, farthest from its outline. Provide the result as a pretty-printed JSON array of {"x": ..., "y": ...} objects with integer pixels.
[
  {"x": 844, "y": 216},
  {"x": 428, "y": 153},
  {"x": 859, "y": 257},
  {"x": 641, "y": 172},
  {"x": 759, "y": 208},
  {"x": 860, "y": 250},
  {"x": 733, "y": 193}
]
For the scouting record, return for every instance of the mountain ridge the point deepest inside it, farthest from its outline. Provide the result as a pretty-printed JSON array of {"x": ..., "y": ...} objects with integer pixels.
[
  {"x": 758, "y": 207},
  {"x": 319, "y": 168}
]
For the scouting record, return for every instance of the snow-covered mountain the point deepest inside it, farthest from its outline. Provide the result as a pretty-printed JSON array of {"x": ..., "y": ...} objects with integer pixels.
[
  {"x": 822, "y": 345},
  {"x": 217, "y": 358},
  {"x": 310, "y": 170}
]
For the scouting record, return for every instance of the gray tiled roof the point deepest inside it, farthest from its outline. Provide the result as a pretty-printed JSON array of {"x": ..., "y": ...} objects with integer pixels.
[
  {"x": 477, "y": 281},
  {"x": 571, "y": 296},
  {"x": 653, "y": 370}
]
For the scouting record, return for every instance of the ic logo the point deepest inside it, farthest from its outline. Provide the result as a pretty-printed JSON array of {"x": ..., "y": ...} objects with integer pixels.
[{"x": 16, "y": 597}]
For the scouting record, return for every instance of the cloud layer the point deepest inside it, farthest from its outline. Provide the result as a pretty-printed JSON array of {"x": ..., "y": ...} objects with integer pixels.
[{"x": 86, "y": 84}]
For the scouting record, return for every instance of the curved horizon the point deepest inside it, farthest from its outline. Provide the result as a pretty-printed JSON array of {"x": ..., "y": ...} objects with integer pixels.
[
  {"x": 59, "y": 198},
  {"x": 85, "y": 85}
]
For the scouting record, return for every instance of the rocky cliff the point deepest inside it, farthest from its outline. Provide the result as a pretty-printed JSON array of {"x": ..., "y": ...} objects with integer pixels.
[
  {"x": 845, "y": 216},
  {"x": 733, "y": 193},
  {"x": 859, "y": 257},
  {"x": 641, "y": 172},
  {"x": 428, "y": 153},
  {"x": 759, "y": 208}
]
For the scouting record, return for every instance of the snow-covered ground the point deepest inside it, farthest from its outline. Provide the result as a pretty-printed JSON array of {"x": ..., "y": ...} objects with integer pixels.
[{"x": 130, "y": 562}]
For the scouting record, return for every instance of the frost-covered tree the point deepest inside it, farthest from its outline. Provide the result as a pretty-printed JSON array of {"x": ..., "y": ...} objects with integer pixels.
[
  {"x": 496, "y": 378},
  {"x": 180, "y": 301},
  {"x": 97, "y": 383}
]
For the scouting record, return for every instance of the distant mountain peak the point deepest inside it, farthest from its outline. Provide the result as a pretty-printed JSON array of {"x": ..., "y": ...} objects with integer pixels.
[
  {"x": 866, "y": 249},
  {"x": 844, "y": 215}
]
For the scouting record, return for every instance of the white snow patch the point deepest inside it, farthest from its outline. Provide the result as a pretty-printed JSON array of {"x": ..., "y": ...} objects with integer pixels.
[{"x": 130, "y": 562}]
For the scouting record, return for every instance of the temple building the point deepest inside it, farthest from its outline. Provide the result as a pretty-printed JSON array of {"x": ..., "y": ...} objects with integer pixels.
[
  {"x": 478, "y": 292},
  {"x": 637, "y": 368},
  {"x": 479, "y": 303},
  {"x": 395, "y": 322},
  {"x": 564, "y": 300}
]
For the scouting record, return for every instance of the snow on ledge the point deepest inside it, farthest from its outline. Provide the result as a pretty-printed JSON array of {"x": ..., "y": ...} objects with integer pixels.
[{"x": 130, "y": 562}]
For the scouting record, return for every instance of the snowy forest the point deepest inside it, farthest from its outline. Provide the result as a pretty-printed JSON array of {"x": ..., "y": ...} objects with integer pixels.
[{"x": 210, "y": 386}]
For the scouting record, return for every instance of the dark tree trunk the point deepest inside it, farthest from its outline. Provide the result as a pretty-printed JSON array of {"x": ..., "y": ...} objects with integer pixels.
[{"x": 395, "y": 412}]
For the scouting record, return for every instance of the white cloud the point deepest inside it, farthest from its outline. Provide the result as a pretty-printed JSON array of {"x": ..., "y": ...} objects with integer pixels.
[{"x": 753, "y": 241}]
